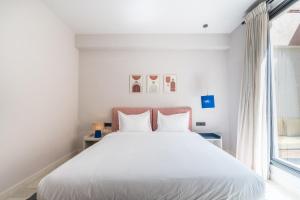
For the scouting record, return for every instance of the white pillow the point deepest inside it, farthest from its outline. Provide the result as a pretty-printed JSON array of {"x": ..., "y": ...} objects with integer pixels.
[
  {"x": 134, "y": 123},
  {"x": 173, "y": 123}
]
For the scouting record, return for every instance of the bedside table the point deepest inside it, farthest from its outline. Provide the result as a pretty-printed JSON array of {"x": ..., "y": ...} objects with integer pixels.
[
  {"x": 89, "y": 140},
  {"x": 213, "y": 138}
]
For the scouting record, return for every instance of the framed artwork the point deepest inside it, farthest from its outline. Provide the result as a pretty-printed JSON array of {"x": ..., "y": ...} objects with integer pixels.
[
  {"x": 136, "y": 83},
  {"x": 170, "y": 83},
  {"x": 153, "y": 83}
]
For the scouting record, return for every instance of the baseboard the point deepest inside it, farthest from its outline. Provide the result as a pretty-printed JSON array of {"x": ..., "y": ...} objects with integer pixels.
[{"x": 8, "y": 192}]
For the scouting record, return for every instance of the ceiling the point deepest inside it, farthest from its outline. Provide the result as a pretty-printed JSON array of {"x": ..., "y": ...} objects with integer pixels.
[
  {"x": 150, "y": 16},
  {"x": 285, "y": 29}
]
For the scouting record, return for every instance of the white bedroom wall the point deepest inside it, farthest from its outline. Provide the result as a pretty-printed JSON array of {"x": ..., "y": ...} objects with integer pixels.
[
  {"x": 38, "y": 90},
  {"x": 104, "y": 79},
  {"x": 235, "y": 68}
]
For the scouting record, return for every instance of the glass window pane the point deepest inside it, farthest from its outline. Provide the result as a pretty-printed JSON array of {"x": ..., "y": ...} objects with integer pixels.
[{"x": 285, "y": 40}]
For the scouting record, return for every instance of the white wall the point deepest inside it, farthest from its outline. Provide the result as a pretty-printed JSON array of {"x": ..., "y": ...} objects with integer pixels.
[
  {"x": 104, "y": 83},
  {"x": 235, "y": 67},
  {"x": 153, "y": 41},
  {"x": 38, "y": 89}
]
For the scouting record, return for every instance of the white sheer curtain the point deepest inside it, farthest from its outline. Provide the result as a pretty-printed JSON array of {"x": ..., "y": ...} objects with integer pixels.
[{"x": 252, "y": 140}]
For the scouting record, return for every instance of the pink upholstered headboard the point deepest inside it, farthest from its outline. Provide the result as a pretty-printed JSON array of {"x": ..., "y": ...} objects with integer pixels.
[
  {"x": 128, "y": 111},
  {"x": 170, "y": 111}
]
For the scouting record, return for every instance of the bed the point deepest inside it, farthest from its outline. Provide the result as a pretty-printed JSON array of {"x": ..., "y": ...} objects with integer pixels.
[{"x": 152, "y": 166}]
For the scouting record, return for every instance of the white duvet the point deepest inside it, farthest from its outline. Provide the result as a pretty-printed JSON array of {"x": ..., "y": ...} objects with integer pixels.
[{"x": 152, "y": 166}]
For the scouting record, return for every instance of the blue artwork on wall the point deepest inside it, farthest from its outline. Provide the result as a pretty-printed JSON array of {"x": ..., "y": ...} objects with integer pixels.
[{"x": 208, "y": 101}]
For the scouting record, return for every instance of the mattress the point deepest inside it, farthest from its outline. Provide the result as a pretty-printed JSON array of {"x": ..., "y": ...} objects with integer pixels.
[{"x": 152, "y": 166}]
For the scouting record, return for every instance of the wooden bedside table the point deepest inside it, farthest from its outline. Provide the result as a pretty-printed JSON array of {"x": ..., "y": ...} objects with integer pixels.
[
  {"x": 89, "y": 140},
  {"x": 213, "y": 138}
]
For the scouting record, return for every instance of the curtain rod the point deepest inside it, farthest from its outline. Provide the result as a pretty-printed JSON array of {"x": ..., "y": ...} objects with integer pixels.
[
  {"x": 282, "y": 6},
  {"x": 255, "y": 4}
]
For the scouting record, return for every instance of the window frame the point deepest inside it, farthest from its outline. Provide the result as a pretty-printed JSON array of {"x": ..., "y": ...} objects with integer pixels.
[{"x": 275, "y": 161}]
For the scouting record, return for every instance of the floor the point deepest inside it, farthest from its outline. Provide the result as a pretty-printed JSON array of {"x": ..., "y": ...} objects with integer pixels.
[
  {"x": 27, "y": 191},
  {"x": 273, "y": 192},
  {"x": 276, "y": 192}
]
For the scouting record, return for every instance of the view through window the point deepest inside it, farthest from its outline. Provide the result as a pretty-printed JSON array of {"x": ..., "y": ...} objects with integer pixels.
[{"x": 285, "y": 41}]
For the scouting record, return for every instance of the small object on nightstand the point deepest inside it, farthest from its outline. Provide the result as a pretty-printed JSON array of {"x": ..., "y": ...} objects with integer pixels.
[
  {"x": 97, "y": 127},
  {"x": 98, "y": 134},
  {"x": 213, "y": 138}
]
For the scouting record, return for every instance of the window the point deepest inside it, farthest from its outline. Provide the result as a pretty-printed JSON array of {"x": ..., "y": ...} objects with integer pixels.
[{"x": 285, "y": 45}]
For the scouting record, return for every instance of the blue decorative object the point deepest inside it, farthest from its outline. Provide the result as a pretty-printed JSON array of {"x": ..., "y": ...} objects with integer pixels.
[
  {"x": 210, "y": 135},
  {"x": 98, "y": 134},
  {"x": 208, "y": 101}
]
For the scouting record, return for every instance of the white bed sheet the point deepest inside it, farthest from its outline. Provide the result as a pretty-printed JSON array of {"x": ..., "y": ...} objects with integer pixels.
[{"x": 152, "y": 166}]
